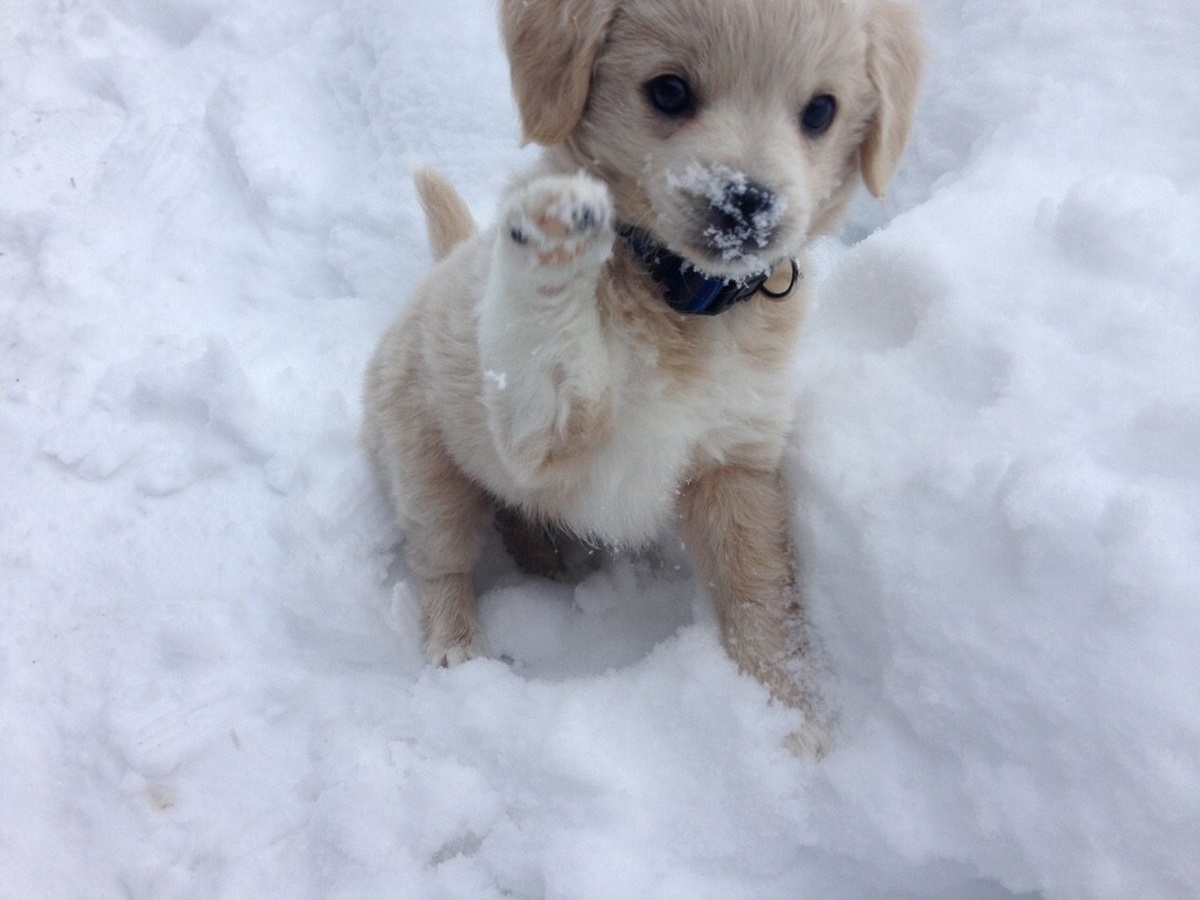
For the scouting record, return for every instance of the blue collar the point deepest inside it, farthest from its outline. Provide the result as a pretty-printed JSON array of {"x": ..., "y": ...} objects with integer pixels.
[{"x": 688, "y": 290}]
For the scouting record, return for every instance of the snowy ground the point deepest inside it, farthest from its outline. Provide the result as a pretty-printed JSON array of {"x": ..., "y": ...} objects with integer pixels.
[{"x": 210, "y": 684}]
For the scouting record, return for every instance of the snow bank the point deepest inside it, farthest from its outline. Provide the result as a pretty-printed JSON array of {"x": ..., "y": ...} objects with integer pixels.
[
  {"x": 210, "y": 678},
  {"x": 997, "y": 466}
]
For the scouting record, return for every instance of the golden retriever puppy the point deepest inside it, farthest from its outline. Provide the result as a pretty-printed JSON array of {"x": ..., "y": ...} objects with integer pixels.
[{"x": 616, "y": 350}]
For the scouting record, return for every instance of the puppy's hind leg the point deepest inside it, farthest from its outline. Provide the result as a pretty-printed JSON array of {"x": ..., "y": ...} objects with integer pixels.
[
  {"x": 441, "y": 513},
  {"x": 442, "y": 545}
]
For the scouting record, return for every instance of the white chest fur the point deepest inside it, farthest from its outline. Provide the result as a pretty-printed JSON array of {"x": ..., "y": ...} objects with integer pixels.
[{"x": 662, "y": 429}]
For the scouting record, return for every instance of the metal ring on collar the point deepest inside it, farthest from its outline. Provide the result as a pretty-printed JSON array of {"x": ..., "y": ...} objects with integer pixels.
[{"x": 781, "y": 295}]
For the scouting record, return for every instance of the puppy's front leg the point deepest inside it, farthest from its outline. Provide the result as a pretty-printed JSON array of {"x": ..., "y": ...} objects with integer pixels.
[
  {"x": 734, "y": 520},
  {"x": 547, "y": 371}
]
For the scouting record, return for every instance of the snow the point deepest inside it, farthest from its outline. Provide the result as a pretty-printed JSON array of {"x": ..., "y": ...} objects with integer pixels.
[{"x": 210, "y": 674}]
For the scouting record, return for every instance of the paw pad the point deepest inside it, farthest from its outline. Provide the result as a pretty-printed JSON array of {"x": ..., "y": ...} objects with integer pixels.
[{"x": 564, "y": 220}]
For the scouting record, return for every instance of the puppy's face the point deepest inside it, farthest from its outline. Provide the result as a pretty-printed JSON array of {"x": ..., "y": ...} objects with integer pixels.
[
  {"x": 731, "y": 130},
  {"x": 728, "y": 128}
]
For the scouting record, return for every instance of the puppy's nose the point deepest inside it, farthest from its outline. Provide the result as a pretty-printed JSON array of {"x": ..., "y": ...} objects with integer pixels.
[
  {"x": 745, "y": 200},
  {"x": 744, "y": 215}
]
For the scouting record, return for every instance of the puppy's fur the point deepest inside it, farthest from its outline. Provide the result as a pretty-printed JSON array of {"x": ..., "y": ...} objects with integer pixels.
[{"x": 539, "y": 368}]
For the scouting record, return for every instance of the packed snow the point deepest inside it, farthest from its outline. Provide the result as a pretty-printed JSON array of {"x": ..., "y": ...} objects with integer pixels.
[{"x": 210, "y": 674}]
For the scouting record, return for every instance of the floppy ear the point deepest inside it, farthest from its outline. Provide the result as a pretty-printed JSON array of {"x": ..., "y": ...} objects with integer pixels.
[
  {"x": 894, "y": 59},
  {"x": 552, "y": 46}
]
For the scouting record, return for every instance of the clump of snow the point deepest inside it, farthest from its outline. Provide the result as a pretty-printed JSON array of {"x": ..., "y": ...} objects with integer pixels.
[{"x": 210, "y": 672}]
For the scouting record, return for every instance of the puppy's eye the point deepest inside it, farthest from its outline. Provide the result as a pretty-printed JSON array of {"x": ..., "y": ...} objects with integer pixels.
[
  {"x": 818, "y": 116},
  {"x": 671, "y": 96}
]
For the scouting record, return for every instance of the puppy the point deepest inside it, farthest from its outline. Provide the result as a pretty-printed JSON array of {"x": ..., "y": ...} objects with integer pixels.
[{"x": 616, "y": 350}]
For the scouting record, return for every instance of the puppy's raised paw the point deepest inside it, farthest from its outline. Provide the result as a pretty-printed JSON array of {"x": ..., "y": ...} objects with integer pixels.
[{"x": 561, "y": 222}]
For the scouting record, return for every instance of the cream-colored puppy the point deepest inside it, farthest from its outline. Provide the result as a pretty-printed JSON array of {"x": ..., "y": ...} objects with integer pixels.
[{"x": 609, "y": 354}]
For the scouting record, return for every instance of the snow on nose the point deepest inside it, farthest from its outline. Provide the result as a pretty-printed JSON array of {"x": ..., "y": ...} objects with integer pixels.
[
  {"x": 736, "y": 216},
  {"x": 743, "y": 217}
]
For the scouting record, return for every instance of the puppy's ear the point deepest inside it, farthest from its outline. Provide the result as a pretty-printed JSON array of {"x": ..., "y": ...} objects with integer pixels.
[
  {"x": 552, "y": 46},
  {"x": 894, "y": 60}
]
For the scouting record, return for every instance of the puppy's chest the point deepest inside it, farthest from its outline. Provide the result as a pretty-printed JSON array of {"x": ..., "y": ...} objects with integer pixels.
[
  {"x": 698, "y": 409},
  {"x": 669, "y": 420}
]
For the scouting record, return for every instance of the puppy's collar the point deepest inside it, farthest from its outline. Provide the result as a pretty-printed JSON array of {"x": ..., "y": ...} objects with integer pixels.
[{"x": 688, "y": 290}]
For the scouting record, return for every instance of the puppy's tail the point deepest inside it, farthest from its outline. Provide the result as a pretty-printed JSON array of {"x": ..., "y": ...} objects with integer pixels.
[{"x": 446, "y": 214}]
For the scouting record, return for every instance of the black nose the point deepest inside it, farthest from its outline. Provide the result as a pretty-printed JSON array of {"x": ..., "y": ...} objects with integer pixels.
[
  {"x": 744, "y": 201},
  {"x": 743, "y": 217}
]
